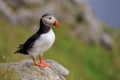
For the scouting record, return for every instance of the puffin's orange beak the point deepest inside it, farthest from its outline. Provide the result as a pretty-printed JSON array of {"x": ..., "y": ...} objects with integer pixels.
[{"x": 57, "y": 24}]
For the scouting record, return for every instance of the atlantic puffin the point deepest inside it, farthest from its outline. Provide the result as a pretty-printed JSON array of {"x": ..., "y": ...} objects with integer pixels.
[{"x": 41, "y": 41}]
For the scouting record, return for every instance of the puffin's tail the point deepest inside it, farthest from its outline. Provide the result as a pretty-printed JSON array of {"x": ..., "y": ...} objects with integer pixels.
[
  {"x": 17, "y": 51},
  {"x": 19, "y": 48}
]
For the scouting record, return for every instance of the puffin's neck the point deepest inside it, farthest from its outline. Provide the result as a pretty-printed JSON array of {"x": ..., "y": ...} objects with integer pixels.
[{"x": 43, "y": 28}]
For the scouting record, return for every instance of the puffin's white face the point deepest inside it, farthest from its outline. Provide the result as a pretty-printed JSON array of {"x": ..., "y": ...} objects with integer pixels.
[{"x": 49, "y": 20}]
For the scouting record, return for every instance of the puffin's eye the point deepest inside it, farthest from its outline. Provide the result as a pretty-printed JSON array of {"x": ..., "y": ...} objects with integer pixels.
[{"x": 50, "y": 18}]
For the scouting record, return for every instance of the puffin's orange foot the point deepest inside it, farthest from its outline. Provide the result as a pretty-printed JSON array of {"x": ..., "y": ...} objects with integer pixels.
[{"x": 43, "y": 64}]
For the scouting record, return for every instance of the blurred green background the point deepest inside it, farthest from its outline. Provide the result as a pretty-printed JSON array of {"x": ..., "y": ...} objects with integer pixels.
[{"x": 89, "y": 49}]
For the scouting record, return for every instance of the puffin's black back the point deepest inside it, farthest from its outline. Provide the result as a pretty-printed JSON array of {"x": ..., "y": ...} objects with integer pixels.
[{"x": 23, "y": 48}]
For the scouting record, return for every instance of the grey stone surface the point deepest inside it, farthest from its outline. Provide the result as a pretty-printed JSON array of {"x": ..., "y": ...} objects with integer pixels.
[{"x": 26, "y": 70}]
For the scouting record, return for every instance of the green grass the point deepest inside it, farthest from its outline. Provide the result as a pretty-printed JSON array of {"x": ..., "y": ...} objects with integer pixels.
[{"x": 85, "y": 62}]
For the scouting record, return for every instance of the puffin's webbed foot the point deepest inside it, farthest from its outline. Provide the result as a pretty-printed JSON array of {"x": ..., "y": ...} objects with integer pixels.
[{"x": 41, "y": 63}]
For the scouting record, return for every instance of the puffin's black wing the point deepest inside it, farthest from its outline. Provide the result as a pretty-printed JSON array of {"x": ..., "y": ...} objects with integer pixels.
[{"x": 23, "y": 48}]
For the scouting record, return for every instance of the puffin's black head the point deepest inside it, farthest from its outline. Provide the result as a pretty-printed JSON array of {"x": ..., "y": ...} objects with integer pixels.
[{"x": 49, "y": 20}]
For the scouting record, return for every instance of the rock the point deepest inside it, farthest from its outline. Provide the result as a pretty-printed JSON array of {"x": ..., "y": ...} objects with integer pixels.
[
  {"x": 26, "y": 70},
  {"x": 107, "y": 41},
  {"x": 7, "y": 11}
]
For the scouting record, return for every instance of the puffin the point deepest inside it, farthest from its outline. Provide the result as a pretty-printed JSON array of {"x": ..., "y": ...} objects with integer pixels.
[{"x": 41, "y": 41}]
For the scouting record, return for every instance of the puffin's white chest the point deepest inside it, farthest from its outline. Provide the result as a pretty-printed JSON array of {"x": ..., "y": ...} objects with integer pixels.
[{"x": 42, "y": 44}]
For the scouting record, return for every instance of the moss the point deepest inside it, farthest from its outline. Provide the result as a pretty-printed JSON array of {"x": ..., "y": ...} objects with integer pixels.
[{"x": 8, "y": 74}]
